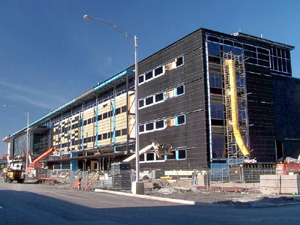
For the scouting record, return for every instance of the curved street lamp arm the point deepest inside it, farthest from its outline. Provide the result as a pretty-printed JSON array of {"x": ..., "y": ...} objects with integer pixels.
[
  {"x": 26, "y": 114},
  {"x": 120, "y": 30}
]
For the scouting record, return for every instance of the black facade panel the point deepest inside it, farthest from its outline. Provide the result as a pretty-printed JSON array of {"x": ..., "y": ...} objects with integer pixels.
[
  {"x": 192, "y": 135},
  {"x": 287, "y": 117},
  {"x": 261, "y": 117}
]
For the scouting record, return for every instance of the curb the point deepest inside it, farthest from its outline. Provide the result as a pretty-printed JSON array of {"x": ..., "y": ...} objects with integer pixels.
[
  {"x": 189, "y": 202},
  {"x": 179, "y": 201}
]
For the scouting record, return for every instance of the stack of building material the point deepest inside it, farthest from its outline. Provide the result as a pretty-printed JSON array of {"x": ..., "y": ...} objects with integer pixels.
[
  {"x": 121, "y": 176},
  {"x": 280, "y": 184}
]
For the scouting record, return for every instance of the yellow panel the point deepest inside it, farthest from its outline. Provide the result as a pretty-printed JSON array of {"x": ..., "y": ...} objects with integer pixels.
[
  {"x": 121, "y": 139},
  {"x": 131, "y": 126},
  {"x": 131, "y": 103}
]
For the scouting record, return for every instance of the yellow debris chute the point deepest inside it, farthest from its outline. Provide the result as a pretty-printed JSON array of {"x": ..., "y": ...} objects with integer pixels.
[{"x": 234, "y": 108}]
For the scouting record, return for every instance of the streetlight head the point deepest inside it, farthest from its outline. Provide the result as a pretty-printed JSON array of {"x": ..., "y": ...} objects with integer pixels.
[
  {"x": 5, "y": 106},
  {"x": 86, "y": 17}
]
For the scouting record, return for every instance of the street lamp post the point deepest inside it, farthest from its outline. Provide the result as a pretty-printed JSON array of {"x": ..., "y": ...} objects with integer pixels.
[
  {"x": 27, "y": 135},
  {"x": 127, "y": 35}
]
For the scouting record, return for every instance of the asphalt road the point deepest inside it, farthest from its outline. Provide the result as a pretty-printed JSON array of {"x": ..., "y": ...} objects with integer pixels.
[{"x": 41, "y": 204}]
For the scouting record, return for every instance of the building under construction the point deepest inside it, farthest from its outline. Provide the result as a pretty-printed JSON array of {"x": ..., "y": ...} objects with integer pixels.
[{"x": 211, "y": 99}]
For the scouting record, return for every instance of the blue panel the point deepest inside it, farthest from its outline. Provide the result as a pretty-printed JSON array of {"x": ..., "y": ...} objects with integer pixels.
[
  {"x": 96, "y": 139},
  {"x": 114, "y": 123},
  {"x": 113, "y": 78},
  {"x": 177, "y": 154},
  {"x": 82, "y": 130},
  {"x": 166, "y": 157},
  {"x": 74, "y": 163}
]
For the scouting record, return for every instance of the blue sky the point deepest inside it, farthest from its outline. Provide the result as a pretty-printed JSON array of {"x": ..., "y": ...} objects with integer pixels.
[{"x": 49, "y": 54}]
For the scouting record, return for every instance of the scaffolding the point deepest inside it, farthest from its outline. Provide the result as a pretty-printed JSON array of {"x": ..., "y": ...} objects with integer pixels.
[{"x": 235, "y": 99}]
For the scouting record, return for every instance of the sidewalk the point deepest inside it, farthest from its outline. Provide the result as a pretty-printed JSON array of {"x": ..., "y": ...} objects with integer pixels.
[{"x": 216, "y": 199}]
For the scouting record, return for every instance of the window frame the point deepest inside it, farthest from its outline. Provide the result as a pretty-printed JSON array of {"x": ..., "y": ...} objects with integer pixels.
[
  {"x": 180, "y": 124},
  {"x": 160, "y": 128},
  {"x": 183, "y": 90},
  {"x": 160, "y": 74}
]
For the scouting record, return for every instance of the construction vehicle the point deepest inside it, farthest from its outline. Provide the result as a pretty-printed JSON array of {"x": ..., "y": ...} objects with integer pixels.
[
  {"x": 35, "y": 165},
  {"x": 14, "y": 171},
  {"x": 289, "y": 166}
]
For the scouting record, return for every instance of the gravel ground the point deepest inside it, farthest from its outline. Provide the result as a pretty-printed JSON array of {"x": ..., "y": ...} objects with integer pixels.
[{"x": 186, "y": 191}]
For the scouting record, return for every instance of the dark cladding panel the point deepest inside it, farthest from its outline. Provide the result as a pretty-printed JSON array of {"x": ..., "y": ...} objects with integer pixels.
[
  {"x": 287, "y": 116},
  {"x": 261, "y": 117},
  {"x": 193, "y": 134}
]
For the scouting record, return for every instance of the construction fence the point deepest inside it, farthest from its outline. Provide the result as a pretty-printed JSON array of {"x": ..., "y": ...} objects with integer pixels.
[{"x": 233, "y": 177}]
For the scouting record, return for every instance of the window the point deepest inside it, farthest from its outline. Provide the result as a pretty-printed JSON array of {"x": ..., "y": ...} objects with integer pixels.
[
  {"x": 181, "y": 154},
  {"x": 104, "y": 115},
  {"x": 159, "y": 97},
  {"x": 89, "y": 121},
  {"x": 124, "y": 109},
  {"x": 180, "y": 90},
  {"x": 159, "y": 124},
  {"x": 142, "y": 128},
  {"x": 142, "y": 157},
  {"x": 104, "y": 136},
  {"x": 257, "y": 55},
  {"x": 100, "y": 117},
  {"x": 150, "y": 156},
  {"x": 149, "y": 100},
  {"x": 214, "y": 49},
  {"x": 124, "y": 131},
  {"x": 149, "y": 126},
  {"x": 211, "y": 38},
  {"x": 250, "y": 48},
  {"x": 159, "y": 71},
  {"x": 215, "y": 79},
  {"x": 99, "y": 137},
  {"x": 234, "y": 50},
  {"x": 149, "y": 75},
  {"x": 141, "y": 103},
  {"x": 280, "y": 60},
  {"x": 181, "y": 120},
  {"x": 218, "y": 146},
  {"x": 118, "y": 111},
  {"x": 141, "y": 79},
  {"x": 179, "y": 61},
  {"x": 173, "y": 156},
  {"x": 217, "y": 110},
  {"x": 118, "y": 133}
]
